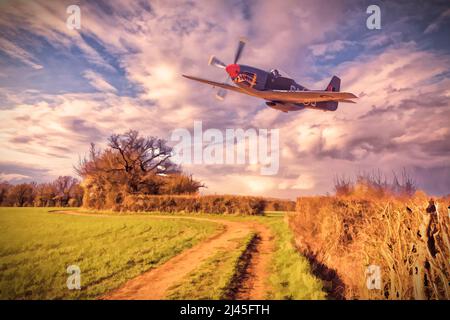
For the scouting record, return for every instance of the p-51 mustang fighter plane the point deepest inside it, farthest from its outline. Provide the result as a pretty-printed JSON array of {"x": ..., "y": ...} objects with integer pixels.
[{"x": 280, "y": 92}]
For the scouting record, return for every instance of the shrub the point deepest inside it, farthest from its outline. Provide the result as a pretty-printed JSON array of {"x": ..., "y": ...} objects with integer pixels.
[
  {"x": 280, "y": 205},
  {"x": 213, "y": 204},
  {"x": 74, "y": 202}
]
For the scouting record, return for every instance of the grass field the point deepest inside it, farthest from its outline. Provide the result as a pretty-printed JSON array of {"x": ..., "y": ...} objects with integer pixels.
[{"x": 36, "y": 247}]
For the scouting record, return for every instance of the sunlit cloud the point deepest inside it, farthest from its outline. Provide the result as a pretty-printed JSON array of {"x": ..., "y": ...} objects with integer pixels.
[
  {"x": 11, "y": 177},
  {"x": 98, "y": 82}
]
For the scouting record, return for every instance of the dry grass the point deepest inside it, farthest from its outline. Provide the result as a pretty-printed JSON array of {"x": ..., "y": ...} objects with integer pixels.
[{"x": 407, "y": 238}]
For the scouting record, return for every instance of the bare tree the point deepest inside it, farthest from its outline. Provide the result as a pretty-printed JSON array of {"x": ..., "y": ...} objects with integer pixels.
[
  {"x": 21, "y": 195},
  {"x": 45, "y": 194},
  {"x": 4, "y": 187},
  {"x": 131, "y": 164},
  {"x": 145, "y": 154},
  {"x": 63, "y": 186}
]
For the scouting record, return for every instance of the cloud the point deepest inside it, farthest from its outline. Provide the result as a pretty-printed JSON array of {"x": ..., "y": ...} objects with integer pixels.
[
  {"x": 13, "y": 177},
  {"x": 304, "y": 182},
  {"x": 328, "y": 48},
  {"x": 43, "y": 27},
  {"x": 435, "y": 25},
  {"x": 434, "y": 179},
  {"x": 16, "y": 52},
  {"x": 97, "y": 81},
  {"x": 17, "y": 172},
  {"x": 399, "y": 121}
]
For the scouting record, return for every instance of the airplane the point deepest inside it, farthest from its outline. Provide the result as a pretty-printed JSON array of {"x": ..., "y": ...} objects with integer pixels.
[{"x": 281, "y": 93}]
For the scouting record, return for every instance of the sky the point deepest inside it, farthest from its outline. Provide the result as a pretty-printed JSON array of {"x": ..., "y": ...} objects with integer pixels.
[{"x": 61, "y": 89}]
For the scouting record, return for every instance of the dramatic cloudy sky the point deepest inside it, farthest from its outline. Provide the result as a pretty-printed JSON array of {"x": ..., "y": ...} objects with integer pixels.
[{"x": 61, "y": 89}]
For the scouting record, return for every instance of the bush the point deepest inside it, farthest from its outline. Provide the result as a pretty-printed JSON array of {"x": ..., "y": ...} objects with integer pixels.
[
  {"x": 212, "y": 204},
  {"x": 280, "y": 205},
  {"x": 74, "y": 202},
  {"x": 408, "y": 239}
]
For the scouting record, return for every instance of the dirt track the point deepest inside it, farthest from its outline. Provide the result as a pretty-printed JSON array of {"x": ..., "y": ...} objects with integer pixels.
[{"x": 153, "y": 284}]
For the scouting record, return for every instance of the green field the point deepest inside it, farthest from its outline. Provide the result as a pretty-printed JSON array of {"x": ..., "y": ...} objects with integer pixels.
[{"x": 36, "y": 247}]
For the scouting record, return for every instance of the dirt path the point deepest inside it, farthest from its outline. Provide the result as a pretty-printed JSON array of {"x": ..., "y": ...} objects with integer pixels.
[
  {"x": 254, "y": 282},
  {"x": 153, "y": 284}
]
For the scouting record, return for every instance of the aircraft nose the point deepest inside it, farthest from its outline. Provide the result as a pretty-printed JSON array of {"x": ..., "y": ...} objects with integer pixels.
[{"x": 233, "y": 70}]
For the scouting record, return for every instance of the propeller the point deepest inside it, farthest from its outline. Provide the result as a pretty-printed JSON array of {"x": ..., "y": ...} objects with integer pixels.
[
  {"x": 239, "y": 50},
  {"x": 213, "y": 61},
  {"x": 222, "y": 93}
]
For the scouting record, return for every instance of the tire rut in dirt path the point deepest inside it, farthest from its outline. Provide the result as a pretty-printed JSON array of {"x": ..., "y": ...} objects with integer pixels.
[
  {"x": 153, "y": 284},
  {"x": 254, "y": 284}
]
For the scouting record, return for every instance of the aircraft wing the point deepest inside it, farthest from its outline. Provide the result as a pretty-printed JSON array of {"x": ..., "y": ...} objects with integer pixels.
[
  {"x": 284, "y": 95},
  {"x": 305, "y": 96},
  {"x": 216, "y": 84}
]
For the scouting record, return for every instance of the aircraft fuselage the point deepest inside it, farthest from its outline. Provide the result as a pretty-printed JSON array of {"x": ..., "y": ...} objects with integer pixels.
[{"x": 253, "y": 79}]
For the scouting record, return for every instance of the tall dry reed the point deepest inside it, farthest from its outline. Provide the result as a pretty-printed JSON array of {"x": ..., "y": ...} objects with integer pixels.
[{"x": 408, "y": 239}]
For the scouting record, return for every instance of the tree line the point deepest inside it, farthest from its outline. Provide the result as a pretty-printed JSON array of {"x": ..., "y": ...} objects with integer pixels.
[
  {"x": 130, "y": 165},
  {"x": 62, "y": 192}
]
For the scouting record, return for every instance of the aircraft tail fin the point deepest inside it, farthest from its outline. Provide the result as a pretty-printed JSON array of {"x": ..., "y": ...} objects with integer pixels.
[{"x": 334, "y": 85}]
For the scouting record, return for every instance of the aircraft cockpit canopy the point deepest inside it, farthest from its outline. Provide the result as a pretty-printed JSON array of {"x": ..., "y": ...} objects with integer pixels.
[{"x": 275, "y": 73}]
